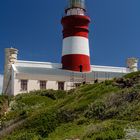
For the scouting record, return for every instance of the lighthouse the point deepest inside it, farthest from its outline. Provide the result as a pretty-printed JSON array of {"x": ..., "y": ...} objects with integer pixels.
[
  {"x": 75, "y": 51},
  {"x": 22, "y": 76}
]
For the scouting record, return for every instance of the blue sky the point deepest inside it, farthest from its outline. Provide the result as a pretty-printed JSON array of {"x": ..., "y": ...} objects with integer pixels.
[{"x": 33, "y": 27}]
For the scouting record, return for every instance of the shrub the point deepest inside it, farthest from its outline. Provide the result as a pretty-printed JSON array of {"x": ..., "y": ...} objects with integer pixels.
[
  {"x": 104, "y": 131},
  {"x": 65, "y": 116},
  {"x": 96, "y": 110},
  {"x": 82, "y": 120},
  {"x": 43, "y": 123},
  {"x": 24, "y": 136},
  {"x": 132, "y": 75},
  {"x": 53, "y": 94},
  {"x": 49, "y": 93}
]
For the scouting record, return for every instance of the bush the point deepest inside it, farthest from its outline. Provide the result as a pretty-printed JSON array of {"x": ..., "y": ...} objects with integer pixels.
[
  {"x": 65, "y": 116},
  {"x": 132, "y": 75},
  {"x": 53, "y": 94},
  {"x": 82, "y": 121},
  {"x": 24, "y": 136},
  {"x": 49, "y": 93},
  {"x": 43, "y": 123},
  {"x": 96, "y": 110},
  {"x": 104, "y": 131}
]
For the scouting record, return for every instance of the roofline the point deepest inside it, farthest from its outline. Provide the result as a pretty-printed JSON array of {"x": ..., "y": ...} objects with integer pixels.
[
  {"x": 99, "y": 66},
  {"x": 37, "y": 62},
  {"x": 92, "y": 66}
]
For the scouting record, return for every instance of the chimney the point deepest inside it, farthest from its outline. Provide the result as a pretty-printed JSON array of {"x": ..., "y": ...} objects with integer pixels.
[
  {"x": 10, "y": 58},
  {"x": 132, "y": 64}
]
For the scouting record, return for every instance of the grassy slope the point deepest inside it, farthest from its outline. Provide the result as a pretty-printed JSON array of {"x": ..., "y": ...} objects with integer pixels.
[{"x": 90, "y": 112}]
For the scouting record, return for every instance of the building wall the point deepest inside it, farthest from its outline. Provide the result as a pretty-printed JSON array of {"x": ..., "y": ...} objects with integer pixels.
[
  {"x": 52, "y": 81},
  {"x": 52, "y": 85},
  {"x": 35, "y": 85},
  {"x": 17, "y": 89},
  {"x": 32, "y": 85},
  {"x": 34, "y": 75}
]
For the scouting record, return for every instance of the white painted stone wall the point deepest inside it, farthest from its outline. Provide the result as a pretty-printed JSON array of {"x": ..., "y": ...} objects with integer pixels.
[
  {"x": 52, "y": 85},
  {"x": 35, "y": 85}
]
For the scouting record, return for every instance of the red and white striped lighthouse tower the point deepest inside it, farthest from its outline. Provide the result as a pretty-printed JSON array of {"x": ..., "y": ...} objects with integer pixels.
[{"x": 75, "y": 52}]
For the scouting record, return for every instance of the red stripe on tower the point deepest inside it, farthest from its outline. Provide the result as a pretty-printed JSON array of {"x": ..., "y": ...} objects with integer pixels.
[{"x": 75, "y": 53}]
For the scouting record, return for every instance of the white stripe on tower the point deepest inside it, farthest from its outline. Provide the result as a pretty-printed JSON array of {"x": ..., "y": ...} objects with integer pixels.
[{"x": 75, "y": 45}]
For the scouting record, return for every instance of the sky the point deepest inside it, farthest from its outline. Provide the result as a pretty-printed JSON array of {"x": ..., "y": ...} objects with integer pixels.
[{"x": 34, "y": 28}]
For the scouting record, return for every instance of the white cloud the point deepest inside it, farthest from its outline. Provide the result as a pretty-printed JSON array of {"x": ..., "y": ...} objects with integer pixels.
[{"x": 1, "y": 82}]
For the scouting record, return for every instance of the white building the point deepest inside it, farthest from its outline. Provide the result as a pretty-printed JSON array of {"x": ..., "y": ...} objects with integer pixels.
[{"x": 24, "y": 76}]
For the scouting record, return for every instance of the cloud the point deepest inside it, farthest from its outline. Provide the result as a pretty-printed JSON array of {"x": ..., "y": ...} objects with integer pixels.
[{"x": 1, "y": 82}]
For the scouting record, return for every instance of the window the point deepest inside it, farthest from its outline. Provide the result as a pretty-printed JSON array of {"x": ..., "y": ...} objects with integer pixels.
[
  {"x": 77, "y": 84},
  {"x": 60, "y": 85},
  {"x": 42, "y": 85},
  {"x": 24, "y": 85}
]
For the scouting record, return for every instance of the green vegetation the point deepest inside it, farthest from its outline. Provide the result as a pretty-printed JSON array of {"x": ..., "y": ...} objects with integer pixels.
[
  {"x": 103, "y": 111},
  {"x": 4, "y": 100}
]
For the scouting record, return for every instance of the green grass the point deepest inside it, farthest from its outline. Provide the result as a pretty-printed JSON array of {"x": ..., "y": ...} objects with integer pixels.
[
  {"x": 91, "y": 112},
  {"x": 132, "y": 75}
]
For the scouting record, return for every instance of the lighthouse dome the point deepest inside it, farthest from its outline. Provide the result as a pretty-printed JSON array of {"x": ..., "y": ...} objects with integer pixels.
[{"x": 76, "y": 4}]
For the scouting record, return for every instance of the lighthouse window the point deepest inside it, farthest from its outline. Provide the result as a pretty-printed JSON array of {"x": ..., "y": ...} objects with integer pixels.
[
  {"x": 24, "y": 84},
  {"x": 42, "y": 85},
  {"x": 60, "y": 85}
]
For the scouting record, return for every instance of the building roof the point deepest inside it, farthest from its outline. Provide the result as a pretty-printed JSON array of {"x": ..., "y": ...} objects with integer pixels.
[
  {"x": 54, "y": 71},
  {"x": 109, "y": 69},
  {"x": 24, "y": 65}
]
